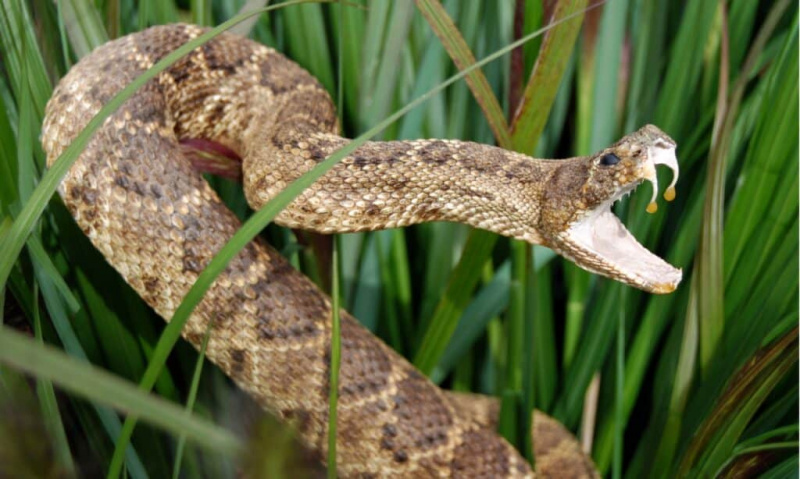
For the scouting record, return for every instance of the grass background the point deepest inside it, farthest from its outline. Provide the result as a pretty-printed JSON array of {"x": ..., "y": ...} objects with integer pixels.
[{"x": 698, "y": 383}]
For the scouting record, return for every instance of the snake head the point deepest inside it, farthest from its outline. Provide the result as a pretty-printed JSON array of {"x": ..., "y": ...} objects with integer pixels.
[{"x": 577, "y": 210}]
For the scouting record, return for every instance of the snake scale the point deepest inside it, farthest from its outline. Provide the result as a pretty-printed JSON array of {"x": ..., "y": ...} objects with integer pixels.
[{"x": 151, "y": 214}]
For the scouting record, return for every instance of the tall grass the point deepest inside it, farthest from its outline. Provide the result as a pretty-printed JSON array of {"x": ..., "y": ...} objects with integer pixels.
[{"x": 696, "y": 383}]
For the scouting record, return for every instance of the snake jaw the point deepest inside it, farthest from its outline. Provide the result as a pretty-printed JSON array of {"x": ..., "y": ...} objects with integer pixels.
[{"x": 601, "y": 244}]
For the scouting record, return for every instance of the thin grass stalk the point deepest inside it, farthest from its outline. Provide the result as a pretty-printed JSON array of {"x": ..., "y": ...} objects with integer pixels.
[
  {"x": 681, "y": 388},
  {"x": 707, "y": 277},
  {"x": 47, "y": 399},
  {"x": 380, "y": 102},
  {"x": 201, "y": 12},
  {"x": 530, "y": 115},
  {"x": 336, "y": 333},
  {"x": 619, "y": 386},
  {"x": 62, "y": 32},
  {"x": 513, "y": 427},
  {"x": 198, "y": 370},
  {"x": 84, "y": 26},
  {"x": 745, "y": 223},
  {"x": 517, "y": 411},
  {"x": 336, "y": 359},
  {"x": 444, "y": 28}
]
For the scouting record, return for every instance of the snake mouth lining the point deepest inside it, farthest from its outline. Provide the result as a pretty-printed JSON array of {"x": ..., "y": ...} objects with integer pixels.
[{"x": 610, "y": 249}]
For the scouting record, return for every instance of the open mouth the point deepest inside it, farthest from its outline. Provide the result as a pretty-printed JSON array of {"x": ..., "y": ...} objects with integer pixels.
[{"x": 608, "y": 248}]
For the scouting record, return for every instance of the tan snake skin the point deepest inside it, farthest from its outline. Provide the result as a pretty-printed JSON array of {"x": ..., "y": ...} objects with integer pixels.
[{"x": 159, "y": 223}]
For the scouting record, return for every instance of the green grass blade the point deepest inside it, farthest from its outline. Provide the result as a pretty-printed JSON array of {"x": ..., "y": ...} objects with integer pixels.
[
  {"x": 198, "y": 370},
  {"x": 377, "y": 17},
  {"x": 488, "y": 303},
  {"x": 307, "y": 42},
  {"x": 684, "y": 374},
  {"x": 91, "y": 382},
  {"x": 709, "y": 278},
  {"x": 747, "y": 390},
  {"x": 201, "y": 12},
  {"x": 48, "y": 403},
  {"x": 16, "y": 30},
  {"x": 380, "y": 100},
  {"x": 336, "y": 297},
  {"x": 350, "y": 41},
  {"x": 336, "y": 358},
  {"x": 462, "y": 56},
  {"x": 766, "y": 157},
  {"x": 540, "y": 91},
  {"x": 456, "y": 297},
  {"x": 83, "y": 25},
  {"x": 683, "y": 72}
]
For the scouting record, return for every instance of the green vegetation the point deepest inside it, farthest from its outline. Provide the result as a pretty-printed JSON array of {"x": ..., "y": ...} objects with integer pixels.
[{"x": 698, "y": 383}]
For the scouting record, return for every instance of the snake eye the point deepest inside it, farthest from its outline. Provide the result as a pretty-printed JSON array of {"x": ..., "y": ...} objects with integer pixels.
[{"x": 609, "y": 159}]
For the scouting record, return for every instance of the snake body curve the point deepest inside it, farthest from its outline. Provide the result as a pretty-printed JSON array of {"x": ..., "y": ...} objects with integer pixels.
[{"x": 158, "y": 223}]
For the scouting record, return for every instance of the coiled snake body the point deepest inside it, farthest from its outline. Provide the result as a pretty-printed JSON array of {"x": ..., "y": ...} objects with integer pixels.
[{"x": 158, "y": 223}]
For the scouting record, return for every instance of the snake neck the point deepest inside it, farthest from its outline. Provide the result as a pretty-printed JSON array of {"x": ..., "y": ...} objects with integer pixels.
[{"x": 391, "y": 184}]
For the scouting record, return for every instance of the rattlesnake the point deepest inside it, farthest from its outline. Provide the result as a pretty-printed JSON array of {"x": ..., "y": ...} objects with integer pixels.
[{"x": 158, "y": 223}]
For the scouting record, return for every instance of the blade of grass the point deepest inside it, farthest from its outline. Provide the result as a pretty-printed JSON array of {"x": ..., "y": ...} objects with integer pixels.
[
  {"x": 459, "y": 289},
  {"x": 336, "y": 355},
  {"x": 16, "y": 30},
  {"x": 336, "y": 295},
  {"x": 350, "y": 41},
  {"x": 766, "y": 155},
  {"x": 684, "y": 374},
  {"x": 381, "y": 99},
  {"x": 707, "y": 285},
  {"x": 442, "y": 25},
  {"x": 368, "y": 296},
  {"x": 488, "y": 303},
  {"x": 747, "y": 390},
  {"x": 377, "y": 16},
  {"x": 47, "y": 362},
  {"x": 540, "y": 91},
  {"x": 47, "y": 400},
  {"x": 84, "y": 26},
  {"x": 307, "y": 42},
  {"x": 198, "y": 369},
  {"x": 201, "y": 12}
]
